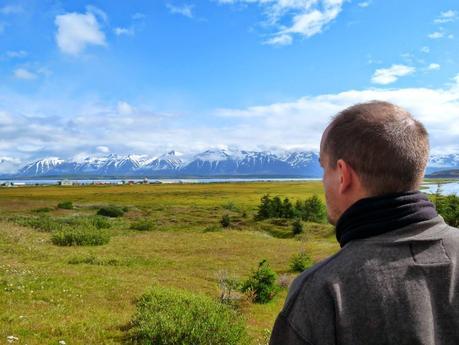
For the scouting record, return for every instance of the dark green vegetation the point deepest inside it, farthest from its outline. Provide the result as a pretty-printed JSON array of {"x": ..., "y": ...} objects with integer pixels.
[
  {"x": 80, "y": 236},
  {"x": 447, "y": 207},
  {"x": 66, "y": 205},
  {"x": 111, "y": 211},
  {"x": 169, "y": 236},
  {"x": 310, "y": 210},
  {"x": 261, "y": 285},
  {"x": 300, "y": 262},
  {"x": 173, "y": 317}
]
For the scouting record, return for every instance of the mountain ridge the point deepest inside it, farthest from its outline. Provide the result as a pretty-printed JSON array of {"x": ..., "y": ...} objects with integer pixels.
[{"x": 209, "y": 163}]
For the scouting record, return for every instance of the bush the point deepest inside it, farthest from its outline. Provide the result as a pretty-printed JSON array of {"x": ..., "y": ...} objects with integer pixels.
[
  {"x": 262, "y": 283},
  {"x": 143, "y": 225},
  {"x": 173, "y": 317},
  {"x": 42, "y": 223},
  {"x": 42, "y": 210},
  {"x": 300, "y": 262},
  {"x": 297, "y": 227},
  {"x": 66, "y": 205},
  {"x": 225, "y": 221},
  {"x": 313, "y": 210},
  {"x": 447, "y": 207},
  {"x": 99, "y": 222},
  {"x": 80, "y": 236},
  {"x": 111, "y": 211}
]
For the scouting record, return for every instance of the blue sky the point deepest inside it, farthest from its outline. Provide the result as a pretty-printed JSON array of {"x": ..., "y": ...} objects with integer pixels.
[{"x": 95, "y": 77}]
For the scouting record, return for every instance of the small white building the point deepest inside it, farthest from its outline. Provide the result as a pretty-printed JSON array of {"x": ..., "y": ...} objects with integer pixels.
[{"x": 66, "y": 183}]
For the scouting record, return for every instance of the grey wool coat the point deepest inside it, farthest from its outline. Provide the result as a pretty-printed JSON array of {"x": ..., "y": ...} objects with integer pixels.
[{"x": 399, "y": 288}]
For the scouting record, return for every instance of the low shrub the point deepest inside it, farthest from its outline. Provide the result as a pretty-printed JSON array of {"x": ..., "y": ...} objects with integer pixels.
[
  {"x": 225, "y": 221},
  {"x": 300, "y": 262},
  {"x": 80, "y": 236},
  {"x": 99, "y": 222},
  {"x": 173, "y": 317},
  {"x": 66, "y": 205},
  {"x": 261, "y": 284},
  {"x": 143, "y": 225},
  {"x": 41, "y": 223},
  {"x": 447, "y": 207},
  {"x": 297, "y": 227},
  {"x": 111, "y": 211},
  {"x": 42, "y": 210},
  {"x": 230, "y": 206}
]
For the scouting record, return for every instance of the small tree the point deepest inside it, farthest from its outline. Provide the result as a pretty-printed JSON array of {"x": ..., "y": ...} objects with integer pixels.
[
  {"x": 297, "y": 227},
  {"x": 300, "y": 262},
  {"x": 314, "y": 210},
  {"x": 276, "y": 207},
  {"x": 264, "y": 209},
  {"x": 262, "y": 283},
  {"x": 287, "y": 209},
  {"x": 225, "y": 221}
]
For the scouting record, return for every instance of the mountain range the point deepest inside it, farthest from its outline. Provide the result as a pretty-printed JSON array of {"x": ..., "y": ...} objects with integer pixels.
[{"x": 210, "y": 163}]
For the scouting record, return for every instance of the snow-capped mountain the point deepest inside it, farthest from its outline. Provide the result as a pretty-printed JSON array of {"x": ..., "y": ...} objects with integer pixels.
[
  {"x": 41, "y": 167},
  {"x": 210, "y": 163},
  {"x": 167, "y": 162}
]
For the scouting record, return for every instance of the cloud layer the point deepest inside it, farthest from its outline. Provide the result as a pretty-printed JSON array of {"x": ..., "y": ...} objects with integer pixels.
[{"x": 93, "y": 128}]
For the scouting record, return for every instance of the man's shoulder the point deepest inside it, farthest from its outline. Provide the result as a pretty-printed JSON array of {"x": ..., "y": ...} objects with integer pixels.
[{"x": 369, "y": 256}]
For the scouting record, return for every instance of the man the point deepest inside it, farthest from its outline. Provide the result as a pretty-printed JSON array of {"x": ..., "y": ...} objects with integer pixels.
[{"x": 396, "y": 278}]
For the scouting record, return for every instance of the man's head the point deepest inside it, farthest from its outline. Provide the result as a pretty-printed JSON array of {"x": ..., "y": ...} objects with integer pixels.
[{"x": 371, "y": 149}]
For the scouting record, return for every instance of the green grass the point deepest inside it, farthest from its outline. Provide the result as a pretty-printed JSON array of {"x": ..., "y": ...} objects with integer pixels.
[{"x": 88, "y": 294}]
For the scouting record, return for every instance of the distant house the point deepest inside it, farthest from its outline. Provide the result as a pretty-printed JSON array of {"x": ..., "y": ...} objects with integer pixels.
[{"x": 66, "y": 183}]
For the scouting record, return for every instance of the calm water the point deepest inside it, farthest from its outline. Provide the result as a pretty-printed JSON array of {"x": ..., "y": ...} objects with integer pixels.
[{"x": 446, "y": 188}]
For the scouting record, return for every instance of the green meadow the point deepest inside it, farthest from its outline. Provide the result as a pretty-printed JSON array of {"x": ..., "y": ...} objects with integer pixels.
[{"x": 170, "y": 236}]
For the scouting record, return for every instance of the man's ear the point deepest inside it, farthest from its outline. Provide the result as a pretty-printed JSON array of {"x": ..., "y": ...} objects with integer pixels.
[{"x": 345, "y": 175}]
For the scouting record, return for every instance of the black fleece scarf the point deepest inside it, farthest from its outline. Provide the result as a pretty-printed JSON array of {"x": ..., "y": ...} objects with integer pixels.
[{"x": 377, "y": 215}]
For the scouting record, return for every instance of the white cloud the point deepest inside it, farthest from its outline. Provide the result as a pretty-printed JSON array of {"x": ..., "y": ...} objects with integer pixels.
[
  {"x": 22, "y": 73},
  {"x": 16, "y": 54},
  {"x": 425, "y": 49},
  {"x": 446, "y": 17},
  {"x": 75, "y": 31},
  {"x": 119, "y": 31},
  {"x": 304, "y": 18},
  {"x": 389, "y": 75},
  {"x": 281, "y": 40},
  {"x": 184, "y": 10},
  {"x": 364, "y": 4},
  {"x": 436, "y": 35},
  {"x": 433, "y": 66}
]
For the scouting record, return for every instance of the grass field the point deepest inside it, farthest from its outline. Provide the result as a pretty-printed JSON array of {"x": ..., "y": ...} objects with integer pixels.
[{"x": 86, "y": 295}]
